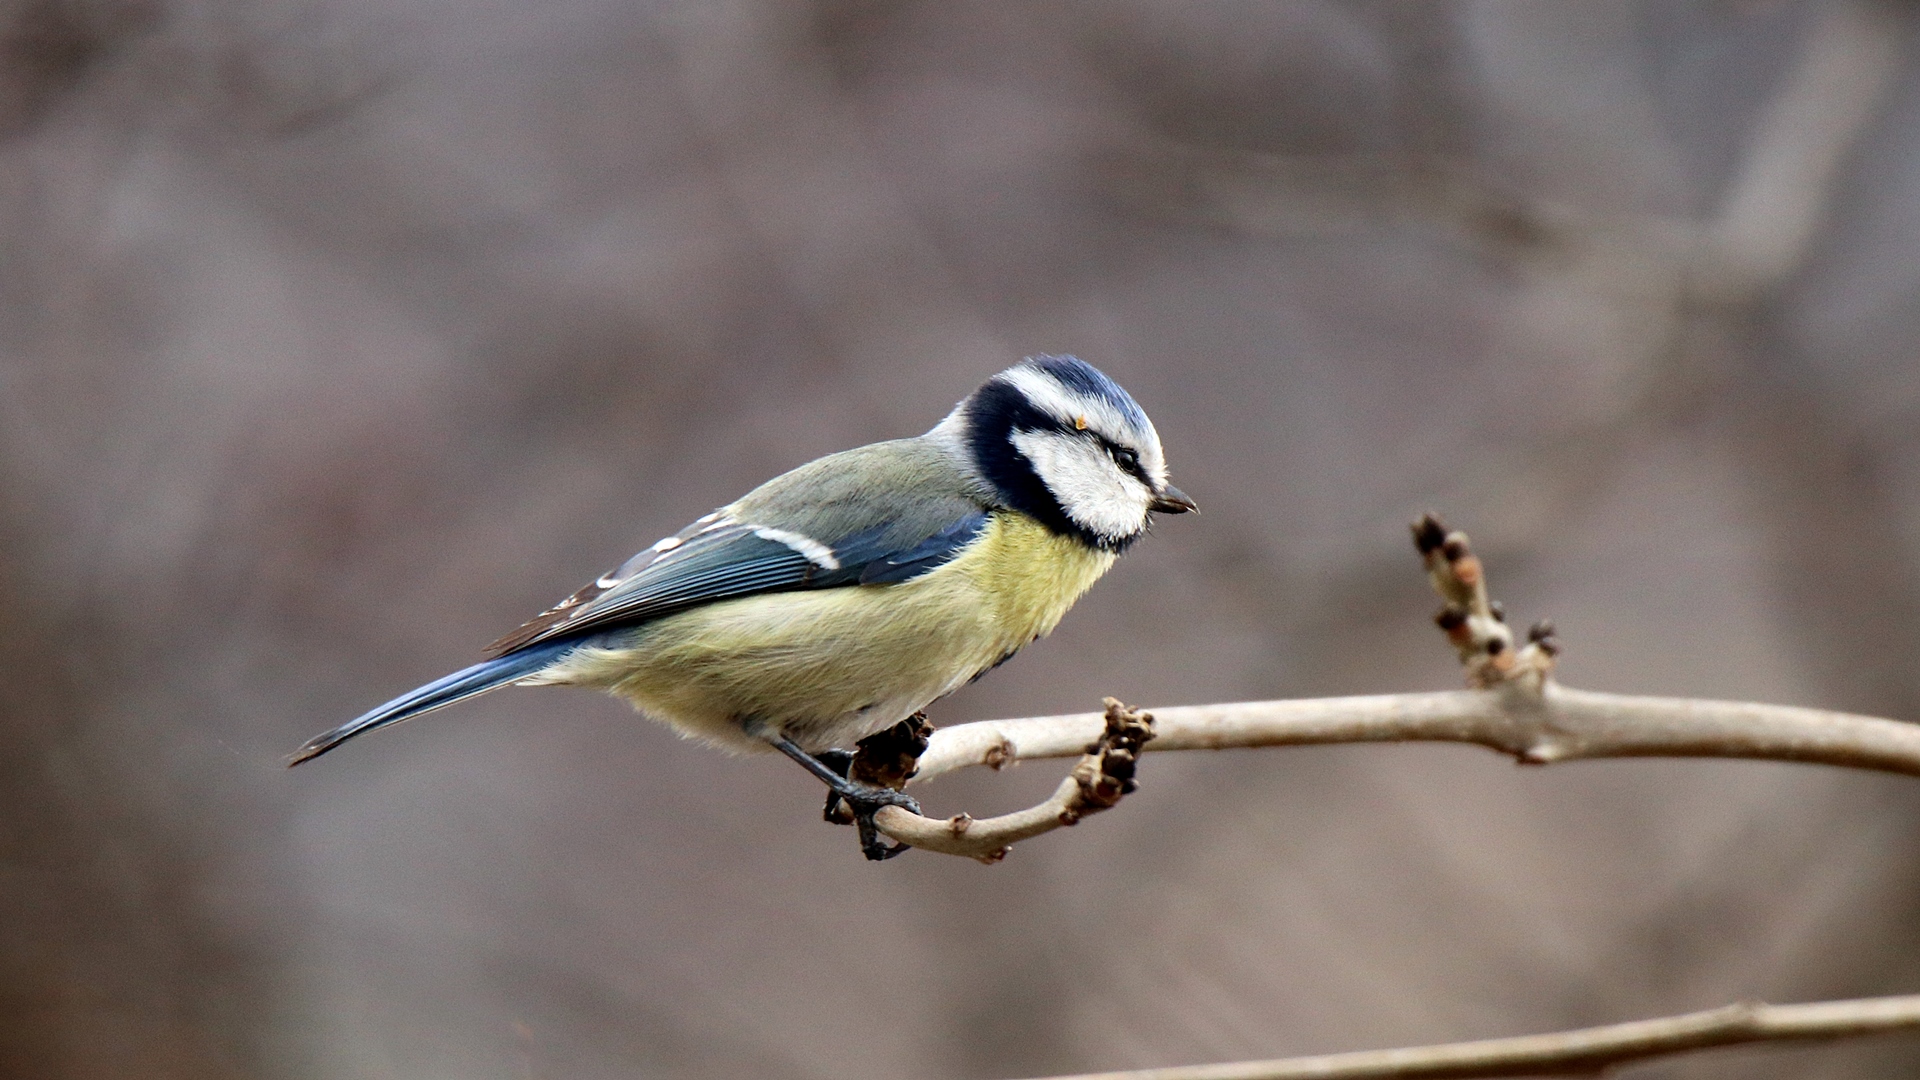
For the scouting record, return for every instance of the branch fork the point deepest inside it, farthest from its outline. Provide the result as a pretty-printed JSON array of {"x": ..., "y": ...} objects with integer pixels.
[
  {"x": 1099, "y": 780},
  {"x": 1105, "y": 772}
]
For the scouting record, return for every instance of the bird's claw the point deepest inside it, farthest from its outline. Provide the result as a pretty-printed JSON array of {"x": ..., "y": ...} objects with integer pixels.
[
  {"x": 858, "y": 805},
  {"x": 860, "y": 783},
  {"x": 865, "y": 803}
]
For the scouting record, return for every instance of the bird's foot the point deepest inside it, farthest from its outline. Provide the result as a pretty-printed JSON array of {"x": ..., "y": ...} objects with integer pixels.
[
  {"x": 857, "y": 803},
  {"x": 852, "y": 796},
  {"x": 864, "y": 806}
]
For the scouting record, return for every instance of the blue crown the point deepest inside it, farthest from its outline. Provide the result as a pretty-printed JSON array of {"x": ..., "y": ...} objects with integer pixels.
[{"x": 1083, "y": 378}]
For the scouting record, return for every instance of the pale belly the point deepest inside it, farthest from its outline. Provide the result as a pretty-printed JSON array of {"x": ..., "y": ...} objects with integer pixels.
[{"x": 829, "y": 667}]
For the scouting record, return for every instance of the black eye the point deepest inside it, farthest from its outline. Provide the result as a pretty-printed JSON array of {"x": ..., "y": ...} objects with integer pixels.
[{"x": 1125, "y": 458}]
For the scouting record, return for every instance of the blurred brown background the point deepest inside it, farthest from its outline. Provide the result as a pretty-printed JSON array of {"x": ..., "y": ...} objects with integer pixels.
[{"x": 336, "y": 336}]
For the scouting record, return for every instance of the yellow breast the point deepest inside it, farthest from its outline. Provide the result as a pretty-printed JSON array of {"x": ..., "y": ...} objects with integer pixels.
[
  {"x": 1029, "y": 575},
  {"x": 829, "y": 667}
]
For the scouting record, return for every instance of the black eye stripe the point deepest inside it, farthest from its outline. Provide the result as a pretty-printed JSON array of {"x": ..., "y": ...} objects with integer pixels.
[
  {"x": 995, "y": 415},
  {"x": 1125, "y": 457}
]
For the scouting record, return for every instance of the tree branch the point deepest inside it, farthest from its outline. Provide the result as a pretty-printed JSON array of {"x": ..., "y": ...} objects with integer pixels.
[
  {"x": 1537, "y": 727},
  {"x": 1585, "y": 1052},
  {"x": 1515, "y": 708}
]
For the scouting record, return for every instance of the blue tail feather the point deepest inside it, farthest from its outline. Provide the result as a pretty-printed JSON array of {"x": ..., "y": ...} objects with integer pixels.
[{"x": 459, "y": 686}]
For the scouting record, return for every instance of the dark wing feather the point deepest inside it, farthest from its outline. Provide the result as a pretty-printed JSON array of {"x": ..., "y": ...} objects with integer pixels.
[
  {"x": 727, "y": 559},
  {"x": 722, "y": 561},
  {"x": 929, "y": 554}
]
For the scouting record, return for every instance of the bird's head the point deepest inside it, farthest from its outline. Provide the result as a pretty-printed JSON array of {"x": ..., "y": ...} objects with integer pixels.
[{"x": 1055, "y": 438}]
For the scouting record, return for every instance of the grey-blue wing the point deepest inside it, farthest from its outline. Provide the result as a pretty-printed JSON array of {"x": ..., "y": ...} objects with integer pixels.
[
  {"x": 722, "y": 559},
  {"x": 895, "y": 566}
]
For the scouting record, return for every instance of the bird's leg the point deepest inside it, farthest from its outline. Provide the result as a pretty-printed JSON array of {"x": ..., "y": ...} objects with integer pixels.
[
  {"x": 865, "y": 799},
  {"x": 836, "y": 812}
]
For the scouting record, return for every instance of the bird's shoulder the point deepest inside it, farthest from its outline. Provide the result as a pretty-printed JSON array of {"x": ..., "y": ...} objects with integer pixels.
[{"x": 903, "y": 488}]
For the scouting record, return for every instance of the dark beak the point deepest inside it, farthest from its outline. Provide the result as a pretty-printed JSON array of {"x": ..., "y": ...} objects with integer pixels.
[{"x": 1171, "y": 500}]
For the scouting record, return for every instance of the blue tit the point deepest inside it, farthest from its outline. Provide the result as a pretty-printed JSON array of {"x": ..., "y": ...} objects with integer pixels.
[{"x": 839, "y": 599}]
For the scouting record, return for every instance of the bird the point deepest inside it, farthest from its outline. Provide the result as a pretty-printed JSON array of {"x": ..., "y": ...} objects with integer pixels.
[{"x": 841, "y": 598}]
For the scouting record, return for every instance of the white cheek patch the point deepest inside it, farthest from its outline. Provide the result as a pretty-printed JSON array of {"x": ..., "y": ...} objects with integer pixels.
[{"x": 1092, "y": 490}]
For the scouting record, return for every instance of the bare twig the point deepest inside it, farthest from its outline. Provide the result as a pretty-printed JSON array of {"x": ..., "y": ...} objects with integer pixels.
[
  {"x": 1109, "y": 749},
  {"x": 1476, "y": 625},
  {"x": 1516, "y": 708},
  {"x": 1585, "y": 1052},
  {"x": 1554, "y": 724}
]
